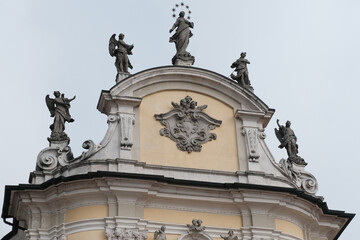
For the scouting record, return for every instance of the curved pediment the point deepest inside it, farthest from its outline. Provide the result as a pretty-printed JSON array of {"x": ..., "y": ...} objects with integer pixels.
[{"x": 188, "y": 78}]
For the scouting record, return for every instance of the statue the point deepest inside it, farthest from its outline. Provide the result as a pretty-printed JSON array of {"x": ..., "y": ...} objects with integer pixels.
[
  {"x": 160, "y": 234},
  {"x": 288, "y": 140},
  {"x": 181, "y": 39},
  {"x": 230, "y": 236},
  {"x": 195, "y": 225},
  {"x": 59, "y": 109},
  {"x": 242, "y": 76},
  {"x": 120, "y": 50}
]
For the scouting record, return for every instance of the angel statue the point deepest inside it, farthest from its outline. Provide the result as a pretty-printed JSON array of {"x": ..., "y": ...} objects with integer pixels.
[
  {"x": 59, "y": 110},
  {"x": 160, "y": 234},
  {"x": 288, "y": 140},
  {"x": 120, "y": 50},
  {"x": 230, "y": 236},
  {"x": 181, "y": 38}
]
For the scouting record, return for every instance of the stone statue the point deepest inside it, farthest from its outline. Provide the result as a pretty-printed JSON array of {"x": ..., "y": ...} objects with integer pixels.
[
  {"x": 59, "y": 109},
  {"x": 288, "y": 140},
  {"x": 120, "y": 50},
  {"x": 230, "y": 236},
  {"x": 160, "y": 234},
  {"x": 195, "y": 226},
  {"x": 181, "y": 40},
  {"x": 242, "y": 76}
]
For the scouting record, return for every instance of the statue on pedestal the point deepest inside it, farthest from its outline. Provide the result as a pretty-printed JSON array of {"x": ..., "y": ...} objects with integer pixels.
[
  {"x": 288, "y": 141},
  {"x": 120, "y": 50},
  {"x": 59, "y": 152},
  {"x": 242, "y": 76},
  {"x": 181, "y": 40},
  {"x": 59, "y": 109}
]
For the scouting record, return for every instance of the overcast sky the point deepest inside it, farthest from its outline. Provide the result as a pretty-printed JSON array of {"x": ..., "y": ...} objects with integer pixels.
[{"x": 304, "y": 56}]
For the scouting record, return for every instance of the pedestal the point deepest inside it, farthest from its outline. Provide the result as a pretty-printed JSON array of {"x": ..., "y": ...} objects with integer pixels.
[
  {"x": 121, "y": 76},
  {"x": 183, "y": 59}
]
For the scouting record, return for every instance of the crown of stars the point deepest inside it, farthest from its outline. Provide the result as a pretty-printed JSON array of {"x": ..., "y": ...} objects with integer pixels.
[{"x": 181, "y": 7}]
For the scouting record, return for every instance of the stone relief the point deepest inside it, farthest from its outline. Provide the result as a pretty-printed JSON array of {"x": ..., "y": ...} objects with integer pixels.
[
  {"x": 127, "y": 122},
  {"x": 195, "y": 226},
  {"x": 160, "y": 234},
  {"x": 251, "y": 136},
  {"x": 125, "y": 234},
  {"x": 188, "y": 125}
]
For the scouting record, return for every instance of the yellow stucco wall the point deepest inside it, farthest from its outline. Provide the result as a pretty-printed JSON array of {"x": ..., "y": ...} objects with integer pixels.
[
  {"x": 184, "y": 217},
  {"x": 289, "y": 228},
  {"x": 87, "y": 212},
  {"x": 219, "y": 154},
  {"x": 88, "y": 235}
]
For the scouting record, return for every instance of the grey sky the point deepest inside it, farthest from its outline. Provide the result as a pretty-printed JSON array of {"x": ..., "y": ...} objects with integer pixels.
[{"x": 304, "y": 63}]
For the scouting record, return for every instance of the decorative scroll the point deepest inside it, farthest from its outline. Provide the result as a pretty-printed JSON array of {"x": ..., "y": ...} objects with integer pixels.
[
  {"x": 296, "y": 173},
  {"x": 58, "y": 154},
  {"x": 187, "y": 125}
]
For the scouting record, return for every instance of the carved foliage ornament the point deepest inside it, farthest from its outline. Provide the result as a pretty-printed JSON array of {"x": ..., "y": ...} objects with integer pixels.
[
  {"x": 187, "y": 125},
  {"x": 125, "y": 234}
]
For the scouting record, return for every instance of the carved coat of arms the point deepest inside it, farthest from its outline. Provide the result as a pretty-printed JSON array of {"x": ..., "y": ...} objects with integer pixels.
[{"x": 187, "y": 125}]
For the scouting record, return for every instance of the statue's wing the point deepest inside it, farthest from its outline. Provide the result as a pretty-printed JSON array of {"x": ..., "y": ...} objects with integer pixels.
[
  {"x": 112, "y": 44},
  {"x": 279, "y": 135},
  {"x": 129, "y": 52},
  {"x": 50, "y": 103}
]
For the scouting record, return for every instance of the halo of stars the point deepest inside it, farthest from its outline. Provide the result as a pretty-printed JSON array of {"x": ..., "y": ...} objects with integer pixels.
[{"x": 181, "y": 7}]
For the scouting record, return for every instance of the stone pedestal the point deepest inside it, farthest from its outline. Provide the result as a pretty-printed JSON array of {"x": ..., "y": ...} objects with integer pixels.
[
  {"x": 121, "y": 76},
  {"x": 180, "y": 62},
  {"x": 183, "y": 59}
]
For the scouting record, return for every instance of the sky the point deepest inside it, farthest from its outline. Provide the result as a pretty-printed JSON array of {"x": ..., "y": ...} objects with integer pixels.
[{"x": 304, "y": 58}]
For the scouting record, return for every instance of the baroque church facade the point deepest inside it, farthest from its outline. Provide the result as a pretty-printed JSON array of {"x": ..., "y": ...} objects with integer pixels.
[{"x": 184, "y": 157}]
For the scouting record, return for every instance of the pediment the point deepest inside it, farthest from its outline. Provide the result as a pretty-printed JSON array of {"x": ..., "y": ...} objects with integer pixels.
[{"x": 187, "y": 78}]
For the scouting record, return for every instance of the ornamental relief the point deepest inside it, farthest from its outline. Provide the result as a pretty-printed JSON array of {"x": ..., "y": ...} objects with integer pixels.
[
  {"x": 187, "y": 125},
  {"x": 125, "y": 234}
]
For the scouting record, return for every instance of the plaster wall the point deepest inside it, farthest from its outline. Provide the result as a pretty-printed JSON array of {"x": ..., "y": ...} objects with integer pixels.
[
  {"x": 161, "y": 150},
  {"x": 87, "y": 212},
  {"x": 88, "y": 235},
  {"x": 185, "y": 217},
  {"x": 289, "y": 228}
]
